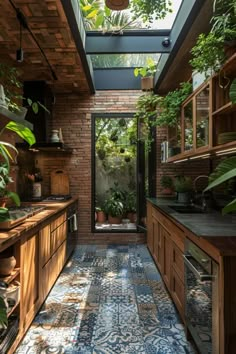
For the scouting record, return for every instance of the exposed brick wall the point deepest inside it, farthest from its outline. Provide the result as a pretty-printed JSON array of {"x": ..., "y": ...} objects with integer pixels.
[{"x": 73, "y": 115}]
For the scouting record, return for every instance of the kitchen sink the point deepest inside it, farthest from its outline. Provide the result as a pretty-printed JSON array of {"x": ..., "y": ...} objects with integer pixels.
[{"x": 186, "y": 209}]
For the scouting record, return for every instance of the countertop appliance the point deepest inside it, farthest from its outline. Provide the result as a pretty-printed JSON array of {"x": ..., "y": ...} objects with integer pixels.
[
  {"x": 57, "y": 198},
  {"x": 201, "y": 298}
]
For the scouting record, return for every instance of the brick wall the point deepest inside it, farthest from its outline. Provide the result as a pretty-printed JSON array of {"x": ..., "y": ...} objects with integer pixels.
[{"x": 72, "y": 114}]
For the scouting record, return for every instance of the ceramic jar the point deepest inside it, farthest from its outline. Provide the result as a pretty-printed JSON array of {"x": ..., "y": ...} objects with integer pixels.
[
  {"x": 7, "y": 265},
  {"x": 55, "y": 136}
]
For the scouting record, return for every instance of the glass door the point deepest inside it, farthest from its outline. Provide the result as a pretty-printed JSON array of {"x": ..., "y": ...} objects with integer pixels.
[{"x": 114, "y": 172}]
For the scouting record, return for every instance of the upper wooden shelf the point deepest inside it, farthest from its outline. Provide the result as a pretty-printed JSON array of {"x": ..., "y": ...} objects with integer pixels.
[{"x": 227, "y": 108}]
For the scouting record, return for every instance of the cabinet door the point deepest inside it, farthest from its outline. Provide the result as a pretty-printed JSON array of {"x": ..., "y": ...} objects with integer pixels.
[
  {"x": 45, "y": 249},
  {"x": 157, "y": 245},
  {"x": 166, "y": 258},
  {"x": 177, "y": 292},
  {"x": 30, "y": 276},
  {"x": 150, "y": 236}
]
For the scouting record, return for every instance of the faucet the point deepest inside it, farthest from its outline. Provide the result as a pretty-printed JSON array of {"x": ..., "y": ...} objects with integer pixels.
[
  {"x": 204, "y": 203},
  {"x": 196, "y": 179}
]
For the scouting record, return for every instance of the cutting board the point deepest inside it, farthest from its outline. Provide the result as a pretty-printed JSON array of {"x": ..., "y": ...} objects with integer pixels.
[{"x": 60, "y": 182}]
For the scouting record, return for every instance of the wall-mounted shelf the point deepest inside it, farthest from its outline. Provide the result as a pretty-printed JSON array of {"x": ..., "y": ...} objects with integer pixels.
[{"x": 47, "y": 147}]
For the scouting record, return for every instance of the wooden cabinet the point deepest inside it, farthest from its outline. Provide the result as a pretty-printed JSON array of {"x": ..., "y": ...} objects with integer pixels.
[
  {"x": 40, "y": 255},
  {"x": 208, "y": 119},
  {"x": 29, "y": 278},
  {"x": 168, "y": 247},
  {"x": 52, "y": 252}
]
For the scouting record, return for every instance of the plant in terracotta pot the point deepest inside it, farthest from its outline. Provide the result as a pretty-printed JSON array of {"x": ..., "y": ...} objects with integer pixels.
[
  {"x": 131, "y": 205},
  {"x": 167, "y": 184},
  {"x": 114, "y": 208},
  {"x": 147, "y": 74},
  {"x": 101, "y": 215},
  {"x": 183, "y": 186}
]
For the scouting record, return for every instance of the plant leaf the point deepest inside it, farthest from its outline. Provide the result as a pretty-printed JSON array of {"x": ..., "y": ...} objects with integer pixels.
[
  {"x": 35, "y": 107},
  {"x": 229, "y": 207},
  {"x": 223, "y": 178},
  {"x": 92, "y": 14},
  {"x": 14, "y": 196},
  {"x": 232, "y": 91},
  {"x": 3, "y": 313},
  {"x": 24, "y": 132}
]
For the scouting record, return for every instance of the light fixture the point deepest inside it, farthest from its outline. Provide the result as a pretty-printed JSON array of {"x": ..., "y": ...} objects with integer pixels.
[
  {"x": 117, "y": 4},
  {"x": 19, "y": 52}
]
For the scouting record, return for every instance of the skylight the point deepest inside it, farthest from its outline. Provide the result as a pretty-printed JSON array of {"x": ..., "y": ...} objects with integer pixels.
[
  {"x": 97, "y": 17},
  {"x": 122, "y": 60}
]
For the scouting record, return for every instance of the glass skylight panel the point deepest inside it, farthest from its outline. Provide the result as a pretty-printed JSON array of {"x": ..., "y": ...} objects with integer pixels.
[
  {"x": 98, "y": 18},
  {"x": 122, "y": 60}
]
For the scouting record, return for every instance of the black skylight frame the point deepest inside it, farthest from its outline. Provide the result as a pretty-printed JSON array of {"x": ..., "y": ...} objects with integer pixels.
[{"x": 134, "y": 41}]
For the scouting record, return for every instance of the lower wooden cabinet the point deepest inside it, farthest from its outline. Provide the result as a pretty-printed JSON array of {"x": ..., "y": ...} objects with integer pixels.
[
  {"x": 167, "y": 251},
  {"x": 29, "y": 279}
]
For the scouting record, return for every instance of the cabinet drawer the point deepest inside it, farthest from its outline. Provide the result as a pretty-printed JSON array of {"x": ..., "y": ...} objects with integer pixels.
[
  {"x": 56, "y": 223},
  {"x": 177, "y": 292},
  {"x": 178, "y": 261}
]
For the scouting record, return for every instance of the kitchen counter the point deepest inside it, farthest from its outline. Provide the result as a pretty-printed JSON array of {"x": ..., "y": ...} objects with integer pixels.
[
  {"x": 51, "y": 208},
  {"x": 209, "y": 224}
]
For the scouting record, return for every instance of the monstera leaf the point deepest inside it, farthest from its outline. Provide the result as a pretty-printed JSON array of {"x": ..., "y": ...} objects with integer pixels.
[{"x": 225, "y": 171}]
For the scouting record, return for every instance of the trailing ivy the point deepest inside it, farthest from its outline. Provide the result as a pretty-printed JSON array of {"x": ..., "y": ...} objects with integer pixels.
[{"x": 170, "y": 105}]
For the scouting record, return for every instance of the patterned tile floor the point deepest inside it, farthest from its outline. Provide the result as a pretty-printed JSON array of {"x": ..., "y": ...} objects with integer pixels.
[{"x": 108, "y": 300}]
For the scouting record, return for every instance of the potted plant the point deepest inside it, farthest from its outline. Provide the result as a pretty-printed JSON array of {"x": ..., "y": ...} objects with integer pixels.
[
  {"x": 101, "y": 215},
  {"x": 147, "y": 74},
  {"x": 130, "y": 206},
  {"x": 167, "y": 184},
  {"x": 210, "y": 50},
  {"x": 183, "y": 186},
  {"x": 114, "y": 208}
]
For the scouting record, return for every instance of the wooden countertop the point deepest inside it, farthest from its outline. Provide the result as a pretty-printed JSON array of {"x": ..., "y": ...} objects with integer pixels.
[{"x": 8, "y": 237}]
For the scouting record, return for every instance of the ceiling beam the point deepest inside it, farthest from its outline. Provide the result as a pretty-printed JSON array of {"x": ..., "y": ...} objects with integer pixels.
[
  {"x": 128, "y": 42},
  {"x": 188, "y": 12},
  {"x": 75, "y": 21}
]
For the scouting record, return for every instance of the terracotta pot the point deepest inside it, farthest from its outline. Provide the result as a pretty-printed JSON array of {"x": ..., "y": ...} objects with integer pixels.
[
  {"x": 114, "y": 219},
  {"x": 101, "y": 217},
  {"x": 7, "y": 265},
  {"x": 132, "y": 217},
  {"x": 167, "y": 191},
  {"x": 3, "y": 201},
  {"x": 147, "y": 83}
]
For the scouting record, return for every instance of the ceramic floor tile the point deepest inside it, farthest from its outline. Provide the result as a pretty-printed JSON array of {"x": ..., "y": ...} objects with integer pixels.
[{"x": 109, "y": 299}]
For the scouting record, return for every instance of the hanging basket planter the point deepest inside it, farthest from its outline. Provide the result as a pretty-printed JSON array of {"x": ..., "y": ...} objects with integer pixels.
[
  {"x": 147, "y": 83},
  {"x": 117, "y": 4}
]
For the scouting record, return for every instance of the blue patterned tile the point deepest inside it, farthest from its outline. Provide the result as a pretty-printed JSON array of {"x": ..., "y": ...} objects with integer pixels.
[{"x": 108, "y": 300}]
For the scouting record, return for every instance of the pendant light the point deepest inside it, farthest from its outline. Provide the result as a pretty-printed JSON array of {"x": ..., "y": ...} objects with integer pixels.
[{"x": 117, "y": 4}]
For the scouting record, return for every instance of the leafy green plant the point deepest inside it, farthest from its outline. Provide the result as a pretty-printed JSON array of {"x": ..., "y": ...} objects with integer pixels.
[
  {"x": 12, "y": 88},
  {"x": 113, "y": 207},
  {"x": 131, "y": 202},
  {"x": 170, "y": 105},
  {"x": 149, "y": 10},
  {"x": 148, "y": 70},
  {"x": 183, "y": 184},
  {"x": 208, "y": 52},
  {"x": 166, "y": 181},
  {"x": 232, "y": 91},
  {"x": 225, "y": 171},
  {"x": 3, "y": 313}
]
